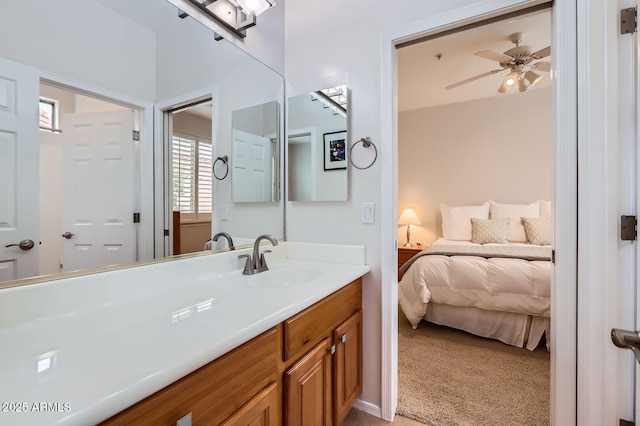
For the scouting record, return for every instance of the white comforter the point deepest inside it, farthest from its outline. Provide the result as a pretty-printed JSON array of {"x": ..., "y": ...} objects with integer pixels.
[{"x": 495, "y": 284}]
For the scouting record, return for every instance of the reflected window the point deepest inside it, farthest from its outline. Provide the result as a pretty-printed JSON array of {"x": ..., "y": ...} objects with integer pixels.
[
  {"x": 192, "y": 177},
  {"x": 48, "y": 114}
]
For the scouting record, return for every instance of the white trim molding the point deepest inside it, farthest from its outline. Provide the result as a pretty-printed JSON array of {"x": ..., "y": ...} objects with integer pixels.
[{"x": 563, "y": 339}]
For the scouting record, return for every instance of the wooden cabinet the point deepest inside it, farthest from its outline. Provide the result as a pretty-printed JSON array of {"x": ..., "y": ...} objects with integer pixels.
[
  {"x": 213, "y": 392},
  {"x": 406, "y": 253},
  {"x": 307, "y": 387},
  {"x": 262, "y": 410},
  {"x": 323, "y": 384},
  {"x": 310, "y": 366}
]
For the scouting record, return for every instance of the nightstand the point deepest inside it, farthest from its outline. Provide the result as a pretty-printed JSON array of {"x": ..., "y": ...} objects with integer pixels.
[{"x": 406, "y": 253}]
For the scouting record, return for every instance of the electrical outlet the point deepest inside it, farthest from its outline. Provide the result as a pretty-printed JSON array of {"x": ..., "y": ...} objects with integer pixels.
[{"x": 224, "y": 212}]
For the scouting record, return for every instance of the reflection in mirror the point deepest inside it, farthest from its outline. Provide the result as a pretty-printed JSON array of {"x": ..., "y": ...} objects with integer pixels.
[
  {"x": 191, "y": 178},
  {"x": 174, "y": 57},
  {"x": 317, "y": 146},
  {"x": 255, "y": 154}
]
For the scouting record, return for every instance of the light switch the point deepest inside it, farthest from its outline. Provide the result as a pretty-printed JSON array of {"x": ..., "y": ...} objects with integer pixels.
[
  {"x": 224, "y": 212},
  {"x": 368, "y": 213}
]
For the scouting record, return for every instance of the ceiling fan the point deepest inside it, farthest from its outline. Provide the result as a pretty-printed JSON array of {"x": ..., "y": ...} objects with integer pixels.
[{"x": 519, "y": 60}]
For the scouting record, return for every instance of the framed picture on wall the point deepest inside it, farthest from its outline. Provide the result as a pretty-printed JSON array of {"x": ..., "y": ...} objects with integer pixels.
[{"x": 335, "y": 150}]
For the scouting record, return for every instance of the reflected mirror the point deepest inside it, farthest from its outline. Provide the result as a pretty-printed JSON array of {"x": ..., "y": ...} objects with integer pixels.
[
  {"x": 174, "y": 58},
  {"x": 255, "y": 154},
  {"x": 317, "y": 146}
]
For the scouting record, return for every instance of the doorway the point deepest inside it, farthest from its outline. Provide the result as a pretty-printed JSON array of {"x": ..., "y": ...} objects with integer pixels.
[
  {"x": 461, "y": 143},
  {"x": 187, "y": 147},
  {"x": 89, "y": 180},
  {"x": 563, "y": 332}
]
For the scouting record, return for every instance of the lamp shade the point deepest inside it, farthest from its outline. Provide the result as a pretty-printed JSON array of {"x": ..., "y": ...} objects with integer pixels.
[
  {"x": 409, "y": 217},
  {"x": 255, "y": 6}
]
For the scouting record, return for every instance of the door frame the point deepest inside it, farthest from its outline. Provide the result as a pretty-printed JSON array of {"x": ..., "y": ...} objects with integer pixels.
[
  {"x": 564, "y": 303},
  {"x": 162, "y": 185},
  {"x": 145, "y": 235}
]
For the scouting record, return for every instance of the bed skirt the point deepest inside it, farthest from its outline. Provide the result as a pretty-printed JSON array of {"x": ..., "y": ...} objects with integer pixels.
[{"x": 519, "y": 330}]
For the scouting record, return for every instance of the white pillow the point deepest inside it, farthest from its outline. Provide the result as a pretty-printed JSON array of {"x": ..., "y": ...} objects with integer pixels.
[
  {"x": 456, "y": 221},
  {"x": 545, "y": 208},
  {"x": 514, "y": 212},
  {"x": 485, "y": 231}
]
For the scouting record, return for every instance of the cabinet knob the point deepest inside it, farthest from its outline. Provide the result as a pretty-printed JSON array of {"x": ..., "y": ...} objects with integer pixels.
[
  {"x": 332, "y": 349},
  {"x": 343, "y": 337}
]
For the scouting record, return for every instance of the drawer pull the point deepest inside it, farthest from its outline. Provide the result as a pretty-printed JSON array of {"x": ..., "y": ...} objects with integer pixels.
[{"x": 184, "y": 421}]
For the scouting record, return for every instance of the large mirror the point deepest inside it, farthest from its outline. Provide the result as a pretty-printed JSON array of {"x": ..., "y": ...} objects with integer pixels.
[
  {"x": 255, "y": 159},
  {"x": 317, "y": 146},
  {"x": 137, "y": 55}
]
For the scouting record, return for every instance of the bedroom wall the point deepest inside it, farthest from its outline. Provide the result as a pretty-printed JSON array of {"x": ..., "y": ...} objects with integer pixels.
[{"x": 499, "y": 148}]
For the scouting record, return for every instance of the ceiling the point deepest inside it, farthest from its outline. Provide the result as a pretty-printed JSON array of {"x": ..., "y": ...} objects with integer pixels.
[{"x": 422, "y": 77}]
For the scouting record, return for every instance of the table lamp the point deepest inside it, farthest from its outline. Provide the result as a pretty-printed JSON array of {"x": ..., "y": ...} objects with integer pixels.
[{"x": 409, "y": 217}]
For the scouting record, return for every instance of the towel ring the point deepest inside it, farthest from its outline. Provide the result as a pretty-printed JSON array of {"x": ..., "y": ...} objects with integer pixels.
[
  {"x": 225, "y": 160},
  {"x": 366, "y": 142}
]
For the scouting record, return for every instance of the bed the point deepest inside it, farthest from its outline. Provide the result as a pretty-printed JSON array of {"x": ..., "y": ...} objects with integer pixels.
[{"x": 497, "y": 286}]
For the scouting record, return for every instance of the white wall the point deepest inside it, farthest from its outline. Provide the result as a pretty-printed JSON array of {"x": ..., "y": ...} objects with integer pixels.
[
  {"x": 82, "y": 40},
  {"x": 497, "y": 148},
  {"x": 327, "y": 44}
]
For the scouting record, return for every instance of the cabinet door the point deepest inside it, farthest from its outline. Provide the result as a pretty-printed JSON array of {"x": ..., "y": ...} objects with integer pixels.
[
  {"x": 308, "y": 388},
  {"x": 347, "y": 377},
  {"x": 261, "y": 410}
]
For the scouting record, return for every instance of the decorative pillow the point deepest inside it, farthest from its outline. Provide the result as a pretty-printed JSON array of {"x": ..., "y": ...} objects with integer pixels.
[
  {"x": 545, "y": 208},
  {"x": 538, "y": 230},
  {"x": 514, "y": 212},
  {"x": 455, "y": 220},
  {"x": 484, "y": 231}
]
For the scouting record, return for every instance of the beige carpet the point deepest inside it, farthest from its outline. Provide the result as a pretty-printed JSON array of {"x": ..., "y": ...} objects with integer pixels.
[{"x": 451, "y": 378}]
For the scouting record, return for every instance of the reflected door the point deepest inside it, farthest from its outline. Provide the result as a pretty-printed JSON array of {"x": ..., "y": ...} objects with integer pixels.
[
  {"x": 252, "y": 167},
  {"x": 98, "y": 181},
  {"x": 19, "y": 170}
]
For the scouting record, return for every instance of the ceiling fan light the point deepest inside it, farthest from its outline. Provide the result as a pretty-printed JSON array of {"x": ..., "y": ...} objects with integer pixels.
[
  {"x": 522, "y": 85},
  {"x": 532, "y": 77},
  {"x": 510, "y": 79}
]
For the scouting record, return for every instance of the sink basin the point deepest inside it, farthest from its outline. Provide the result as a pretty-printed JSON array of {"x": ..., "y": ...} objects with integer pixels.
[{"x": 282, "y": 277}]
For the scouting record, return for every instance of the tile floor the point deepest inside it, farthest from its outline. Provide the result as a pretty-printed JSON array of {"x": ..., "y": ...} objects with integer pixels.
[{"x": 360, "y": 418}]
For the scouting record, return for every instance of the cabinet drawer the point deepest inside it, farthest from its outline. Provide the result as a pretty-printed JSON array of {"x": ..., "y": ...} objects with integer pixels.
[
  {"x": 213, "y": 392},
  {"x": 310, "y": 326}
]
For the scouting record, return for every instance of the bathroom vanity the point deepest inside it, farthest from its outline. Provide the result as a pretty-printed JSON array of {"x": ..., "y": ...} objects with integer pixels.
[
  {"x": 312, "y": 362},
  {"x": 191, "y": 337}
]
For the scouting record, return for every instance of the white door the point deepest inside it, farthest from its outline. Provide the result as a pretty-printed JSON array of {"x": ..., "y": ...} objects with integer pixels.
[
  {"x": 98, "y": 181},
  {"x": 19, "y": 170},
  {"x": 251, "y": 162}
]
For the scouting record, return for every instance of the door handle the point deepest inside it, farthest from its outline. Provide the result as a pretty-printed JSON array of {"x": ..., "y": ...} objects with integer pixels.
[
  {"x": 67, "y": 235},
  {"x": 627, "y": 339},
  {"x": 24, "y": 245}
]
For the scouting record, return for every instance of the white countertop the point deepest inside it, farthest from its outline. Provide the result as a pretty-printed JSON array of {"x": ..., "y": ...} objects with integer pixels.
[{"x": 105, "y": 341}]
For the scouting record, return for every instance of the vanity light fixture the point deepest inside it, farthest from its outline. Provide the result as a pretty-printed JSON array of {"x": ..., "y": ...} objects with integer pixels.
[{"x": 234, "y": 16}]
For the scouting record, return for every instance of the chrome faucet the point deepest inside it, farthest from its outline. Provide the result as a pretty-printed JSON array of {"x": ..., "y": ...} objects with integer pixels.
[
  {"x": 257, "y": 263},
  {"x": 227, "y": 236}
]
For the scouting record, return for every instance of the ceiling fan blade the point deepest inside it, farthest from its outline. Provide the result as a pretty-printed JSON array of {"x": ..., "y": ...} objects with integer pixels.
[
  {"x": 489, "y": 54},
  {"x": 542, "y": 53},
  {"x": 541, "y": 66},
  {"x": 477, "y": 77}
]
